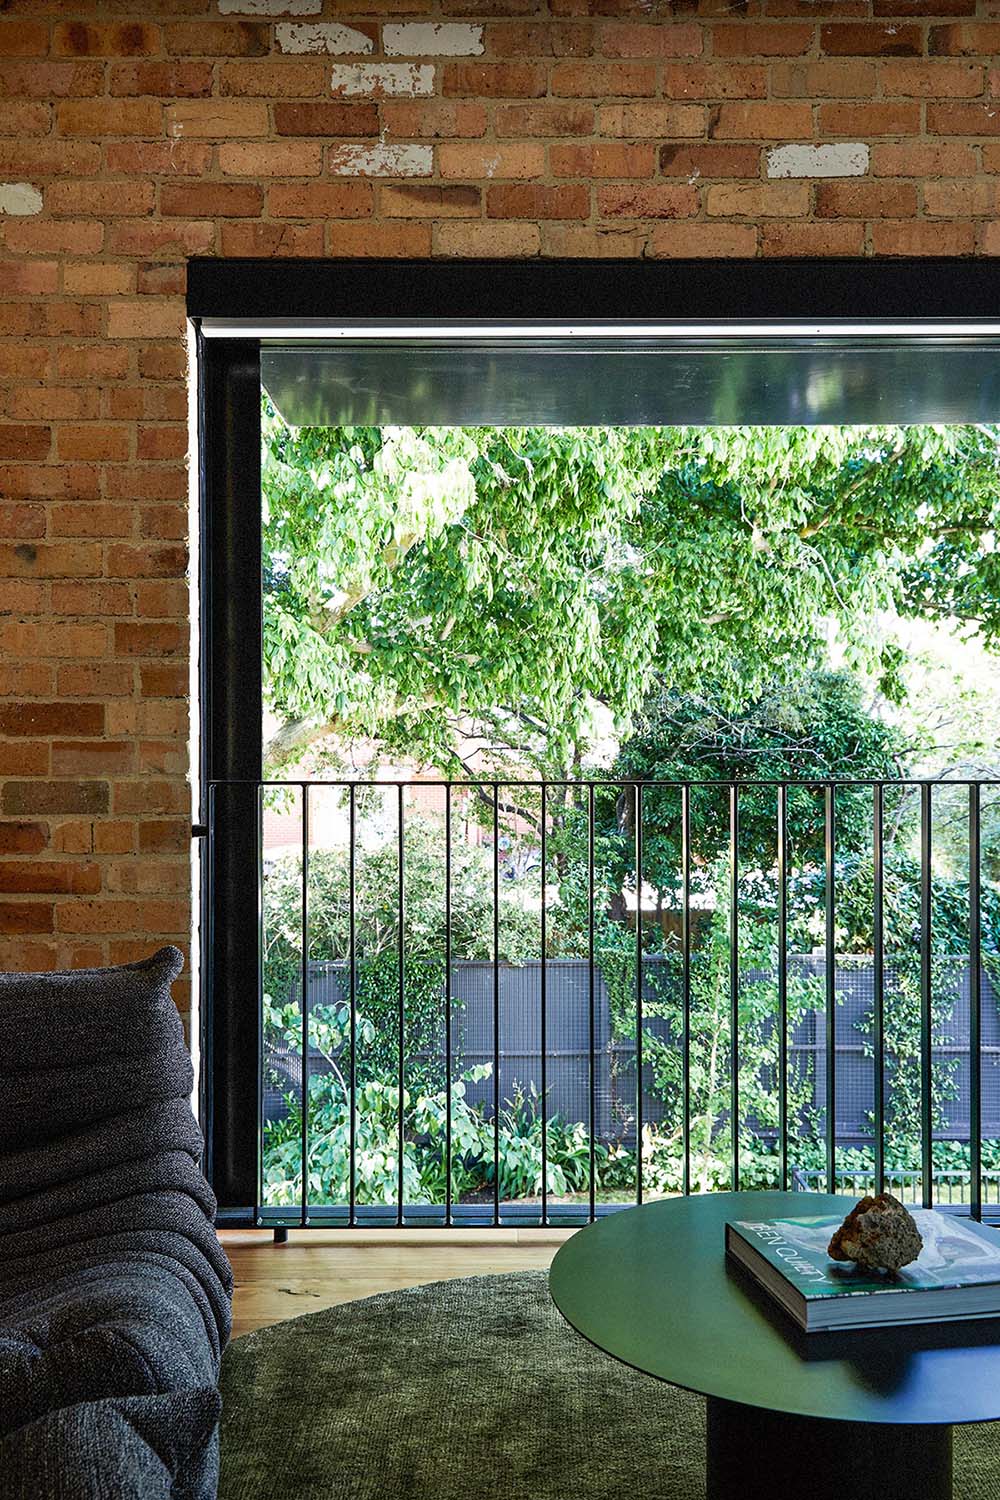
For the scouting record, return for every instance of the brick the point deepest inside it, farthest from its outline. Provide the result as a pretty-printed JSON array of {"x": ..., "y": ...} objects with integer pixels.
[
  {"x": 75, "y": 598},
  {"x": 22, "y": 520},
  {"x": 33, "y": 719},
  {"x": 130, "y": 39},
  {"x": 274, "y": 78},
  {"x": 695, "y": 241},
  {"x": 96, "y": 679},
  {"x": 333, "y": 200},
  {"x": 149, "y": 916},
  {"x": 29, "y": 279},
  {"x": 248, "y": 239},
  {"x": 271, "y": 7},
  {"x": 532, "y": 200},
  {"x": 51, "y": 80},
  {"x": 172, "y": 80},
  {"x": 601, "y": 80},
  {"x": 271, "y": 158},
  {"x": 812, "y": 239},
  {"x": 917, "y": 237},
  {"x": 55, "y": 237},
  {"x": 20, "y": 198},
  {"x": 540, "y": 39},
  {"x": 865, "y": 200},
  {"x": 26, "y": 916},
  {"x": 431, "y": 39},
  {"x": 24, "y": 757},
  {"x": 217, "y": 38},
  {"x": 163, "y": 680},
  {"x": 24, "y": 440},
  {"x": 977, "y": 198},
  {"x": 714, "y": 81},
  {"x": 544, "y": 119},
  {"x": 761, "y": 39},
  {"x": 22, "y": 638},
  {"x": 378, "y": 159},
  {"x": 628, "y": 39},
  {"x": 24, "y": 38},
  {"x": 149, "y": 796},
  {"x": 151, "y": 561},
  {"x": 94, "y": 441},
  {"x": 97, "y": 117},
  {"x": 213, "y": 200},
  {"x": 217, "y": 119},
  {"x": 326, "y": 119},
  {"x": 932, "y": 80},
  {"x": 49, "y": 877},
  {"x": 31, "y": 559},
  {"x": 25, "y": 677},
  {"x": 869, "y": 120},
  {"x": 412, "y": 240},
  {"x": 923, "y": 159},
  {"x": 651, "y": 119},
  {"x": 141, "y": 320},
  {"x": 965, "y": 40},
  {"x": 847, "y": 160},
  {"x": 163, "y": 835},
  {"x": 516, "y": 162},
  {"x": 647, "y": 201},
  {"x": 761, "y": 121},
  {"x": 963, "y": 119},
  {"x": 25, "y": 119},
  {"x": 54, "y": 797},
  {"x": 329, "y": 37},
  {"x": 488, "y": 239},
  {"x": 22, "y": 838},
  {"x": 101, "y": 757},
  {"x": 48, "y": 158},
  {"x": 494, "y": 80},
  {"x": 870, "y": 39},
  {"x": 384, "y": 80},
  {"x": 774, "y": 200},
  {"x": 98, "y": 279},
  {"x": 417, "y": 201},
  {"x": 709, "y": 161},
  {"x": 440, "y": 119},
  {"x": 133, "y": 639},
  {"x": 605, "y": 159},
  {"x": 159, "y": 158},
  {"x": 100, "y": 198},
  {"x": 847, "y": 78},
  {"x": 155, "y": 281},
  {"x": 172, "y": 238}
]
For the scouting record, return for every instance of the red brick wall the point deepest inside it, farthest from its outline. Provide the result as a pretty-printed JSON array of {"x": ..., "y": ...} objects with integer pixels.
[{"x": 134, "y": 136}]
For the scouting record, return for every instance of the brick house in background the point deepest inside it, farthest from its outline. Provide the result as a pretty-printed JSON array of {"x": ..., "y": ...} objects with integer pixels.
[{"x": 303, "y": 128}]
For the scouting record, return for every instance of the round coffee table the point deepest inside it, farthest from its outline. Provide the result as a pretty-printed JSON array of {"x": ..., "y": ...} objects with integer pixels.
[{"x": 822, "y": 1416}]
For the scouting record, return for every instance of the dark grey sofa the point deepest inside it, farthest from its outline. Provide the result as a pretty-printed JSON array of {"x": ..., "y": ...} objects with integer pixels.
[{"x": 114, "y": 1291}]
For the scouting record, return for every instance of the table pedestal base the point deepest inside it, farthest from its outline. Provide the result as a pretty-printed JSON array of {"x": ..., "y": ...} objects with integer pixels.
[{"x": 765, "y": 1455}]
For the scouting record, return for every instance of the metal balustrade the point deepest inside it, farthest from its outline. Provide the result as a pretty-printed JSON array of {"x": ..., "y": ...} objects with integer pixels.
[{"x": 572, "y": 1053}]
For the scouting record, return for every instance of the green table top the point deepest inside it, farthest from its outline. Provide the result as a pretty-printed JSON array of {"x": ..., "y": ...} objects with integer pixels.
[{"x": 652, "y": 1286}]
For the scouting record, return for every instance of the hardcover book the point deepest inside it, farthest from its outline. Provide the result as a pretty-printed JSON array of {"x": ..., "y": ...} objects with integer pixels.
[{"x": 955, "y": 1276}]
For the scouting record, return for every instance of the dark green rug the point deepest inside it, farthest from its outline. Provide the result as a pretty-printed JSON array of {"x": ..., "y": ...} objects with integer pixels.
[{"x": 469, "y": 1388}]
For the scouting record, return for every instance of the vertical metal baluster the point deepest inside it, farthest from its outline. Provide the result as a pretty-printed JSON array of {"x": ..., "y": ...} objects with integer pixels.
[
  {"x": 352, "y": 993},
  {"x": 878, "y": 1018},
  {"x": 734, "y": 981},
  {"x": 542, "y": 1018},
  {"x": 447, "y": 1004},
  {"x": 638, "y": 993},
  {"x": 926, "y": 1017},
  {"x": 830, "y": 841},
  {"x": 304, "y": 1214},
  {"x": 975, "y": 1006},
  {"x": 402, "y": 1008},
  {"x": 590, "y": 995},
  {"x": 686, "y": 980},
  {"x": 496, "y": 1004},
  {"x": 782, "y": 832}
]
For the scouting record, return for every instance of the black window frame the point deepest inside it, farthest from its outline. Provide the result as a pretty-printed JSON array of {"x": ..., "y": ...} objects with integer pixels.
[{"x": 230, "y": 627}]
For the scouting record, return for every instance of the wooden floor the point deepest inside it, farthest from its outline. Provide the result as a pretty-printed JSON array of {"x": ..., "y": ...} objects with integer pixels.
[{"x": 316, "y": 1269}]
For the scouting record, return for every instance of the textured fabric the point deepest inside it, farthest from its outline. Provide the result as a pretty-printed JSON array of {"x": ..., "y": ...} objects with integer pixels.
[
  {"x": 465, "y": 1388},
  {"x": 114, "y": 1291}
]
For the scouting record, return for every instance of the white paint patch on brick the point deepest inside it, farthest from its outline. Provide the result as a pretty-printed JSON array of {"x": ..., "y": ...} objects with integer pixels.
[
  {"x": 410, "y": 79},
  {"x": 431, "y": 39},
  {"x": 845, "y": 159},
  {"x": 381, "y": 161},
  {"x": 19, "y": 198},
  {"x": 322, "y": 36},
  {"x": 271, "y": 7}
]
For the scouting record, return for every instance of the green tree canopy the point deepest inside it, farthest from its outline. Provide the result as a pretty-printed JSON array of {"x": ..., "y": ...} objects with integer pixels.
[{"x": 425, "y": 585}]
